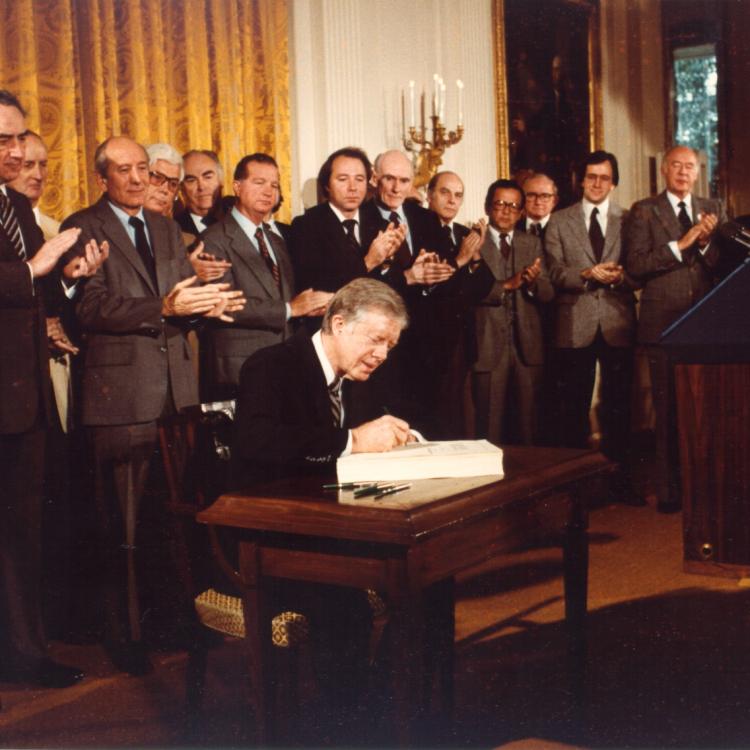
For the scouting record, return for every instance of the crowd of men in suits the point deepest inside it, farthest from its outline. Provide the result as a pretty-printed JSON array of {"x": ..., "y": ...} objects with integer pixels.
[{"x": 507, "y": 320}]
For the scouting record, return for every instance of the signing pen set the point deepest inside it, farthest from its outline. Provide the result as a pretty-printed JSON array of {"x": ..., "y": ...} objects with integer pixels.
[{"x": 370, "y": 490}]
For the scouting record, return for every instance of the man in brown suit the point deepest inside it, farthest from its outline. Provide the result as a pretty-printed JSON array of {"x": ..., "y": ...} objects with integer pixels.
[
  {"x": 137, "y": 367},
  {"x": 672, "y": 252}
]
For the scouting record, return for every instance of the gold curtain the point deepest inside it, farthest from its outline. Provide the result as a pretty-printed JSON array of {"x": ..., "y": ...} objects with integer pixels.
[{"x": 194, "y": 73}]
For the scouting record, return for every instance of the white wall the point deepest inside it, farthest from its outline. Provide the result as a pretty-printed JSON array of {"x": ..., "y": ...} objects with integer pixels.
[{"x": 350, "y": 59}]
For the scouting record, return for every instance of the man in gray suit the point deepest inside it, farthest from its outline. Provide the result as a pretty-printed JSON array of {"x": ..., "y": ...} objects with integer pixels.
[
  {"x": 595, "y": 319},
  {"x": 672, "y": 251},
  {"x": 509, "y": 280},
  {"x": 261, "y": 268},
  {"x": 137, "y": 368}
]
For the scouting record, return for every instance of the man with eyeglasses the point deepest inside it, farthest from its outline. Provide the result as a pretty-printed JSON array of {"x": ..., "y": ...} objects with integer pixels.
[
  {"x": 673, "y": 252},
  {"x": 541, "y": 199},
  {"x": 164, "y": 175},
  {"x": 509, "y": 281},
  {"x": 595, "y": 319}
]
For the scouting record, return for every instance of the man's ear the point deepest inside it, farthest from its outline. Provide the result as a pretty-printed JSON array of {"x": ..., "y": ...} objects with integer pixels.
[
  {"x": 101, "y": 182},
  {"x": 374, "y": 179}
]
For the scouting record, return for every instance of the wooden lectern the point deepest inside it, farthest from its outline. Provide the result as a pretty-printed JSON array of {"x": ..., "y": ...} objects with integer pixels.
[{"x": 710, "y": 349}]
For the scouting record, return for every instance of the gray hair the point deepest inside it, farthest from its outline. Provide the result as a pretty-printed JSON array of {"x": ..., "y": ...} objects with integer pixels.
[
  {"x": 101, "y": 160},
  {"x": 165, "y": 152},
  {"x": 211, "y": 155},
  {"x": 361, "y": 296}
]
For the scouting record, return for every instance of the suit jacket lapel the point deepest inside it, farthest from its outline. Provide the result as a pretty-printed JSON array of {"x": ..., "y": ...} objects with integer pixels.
[
  {"x": 244, "y": 252},
  {"x": 666, "y": 216},
  {"x": 491, "y": 255},
  {"x": 118, "y": 237},
  {"x": 161, "y": 250},
  {"x": 577, "y": 225},
  {"x": 614, "y": 222}
]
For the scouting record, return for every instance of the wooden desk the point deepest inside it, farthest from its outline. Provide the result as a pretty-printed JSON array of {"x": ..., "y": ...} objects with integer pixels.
[{"x": 292, "y": 529}]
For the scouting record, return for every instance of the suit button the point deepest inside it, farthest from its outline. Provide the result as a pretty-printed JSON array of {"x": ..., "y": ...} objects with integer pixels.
[{"x": 162, "y": 348}]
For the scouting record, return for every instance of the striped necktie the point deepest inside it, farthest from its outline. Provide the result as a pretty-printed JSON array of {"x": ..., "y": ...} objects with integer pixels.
[
  {"x": 334, "y": 396},
  {"x": 10, "y": 224}
]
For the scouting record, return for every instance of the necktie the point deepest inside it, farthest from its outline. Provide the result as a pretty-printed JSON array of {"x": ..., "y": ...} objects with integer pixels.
[
  {"x": 450, "y": 238},
  {"x": 402, "y": 256},
  {"x": 683, "y": 217},
  {"x": 142, "y": 246},
  {"x": 10, "y": 224},
  {"x": 536, "y": 228},
  {"x": 334, "y": 396},
  {"x": 349, "y": 227},
  {"x": 504, "y": 246},
  {"x": 596, "y": 236},
  {"x": 263, "y": 249}
]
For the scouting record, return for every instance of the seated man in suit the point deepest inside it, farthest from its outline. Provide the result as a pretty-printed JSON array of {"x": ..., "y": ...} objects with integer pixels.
[
  {"x": 295, "y": 414},
  {"x": 509, "y": 281},
  {"x": 261, "y": 268}
]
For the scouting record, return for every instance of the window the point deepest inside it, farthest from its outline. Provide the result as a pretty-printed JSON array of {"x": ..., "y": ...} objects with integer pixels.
[{"x": 696, "y": 112}]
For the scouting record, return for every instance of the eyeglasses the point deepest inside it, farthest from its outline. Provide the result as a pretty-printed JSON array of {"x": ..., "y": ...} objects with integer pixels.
[
  {"x": 540, "y": 196},
  {"x": 158, "y": 179},
  {"x": 499, "y": 205}
]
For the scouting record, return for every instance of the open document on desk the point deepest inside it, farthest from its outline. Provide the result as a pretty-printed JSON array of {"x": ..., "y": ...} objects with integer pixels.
[{"x": 445, "y": 458}]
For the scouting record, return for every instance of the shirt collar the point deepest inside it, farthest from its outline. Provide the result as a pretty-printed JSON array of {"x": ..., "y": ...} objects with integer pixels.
[
  {"x": 495, "y": 234},
  {"x": 247, "y": 225},
  {"x": 386, "y": 212},
  {"x": 674, "y": 200},
  {"x": 588, "y": 207},
  {"x": 341, "y": 216},
  {"x": 542, "y": 222},
  {"x": 328, "y": 371},
  {"x": 124, "y": 216}
]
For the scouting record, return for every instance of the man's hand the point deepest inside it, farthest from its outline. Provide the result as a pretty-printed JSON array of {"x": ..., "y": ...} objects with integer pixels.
[
  {"x": 605, "y": 273},
  {"x": 472, "y": 244},
  {"x": 690, "y": 237},
  {"x": 428, "y": 269},
  {"x": 231, "y": 301},
  {"x": 310, "y": 303},
  {"x": 525, "y": 277},
  {"x": 57, "y": 338},
  {"x": 384, "y": 245},
  {"x": 46, "y": 257},
  {"x": 206, "y": 266},
  {"x": 380, "y": 435},
  {"x": 87, "y": 264},
  {"x": 186, "y": 300},
  {"x": 708, "y": 224}
]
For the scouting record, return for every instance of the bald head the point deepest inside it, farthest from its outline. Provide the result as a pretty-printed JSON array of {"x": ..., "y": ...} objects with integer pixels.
[
  {"x": 680, "y": 168},
  {"x": 445, "y": 195},
  {"x": 122, "y": 172},
  {"x": 393, "y": 175}
]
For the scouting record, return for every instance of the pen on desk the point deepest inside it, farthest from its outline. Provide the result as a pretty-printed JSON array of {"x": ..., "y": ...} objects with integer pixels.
[
  {"x": 391, "y": 490},
  {"x": 371, "y": 490},
  {"x": 346, "y": 485}
]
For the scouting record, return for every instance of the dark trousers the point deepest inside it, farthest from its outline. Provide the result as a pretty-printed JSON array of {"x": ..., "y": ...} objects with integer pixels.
[
  {"x": 576, "y": 373},
  {"x": 22, "y": 641},
  {"x": 667, "y": 463}
]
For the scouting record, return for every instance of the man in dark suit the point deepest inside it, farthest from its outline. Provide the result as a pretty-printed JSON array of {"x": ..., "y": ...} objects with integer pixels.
[
  {"x": 295, "y": 414},
  {"x": 334, "y": 242},
  {"x": 508, "y": 278},
  {"x": 541, "y": 199},
  {"x": 416, "y": 268},
  {"x": 26, "y": 410},
  {"x": 137, "y": 368},
  {"x": 448, "y": 351},
  {"x": 261, "y": 268},
  {"x": 673, "y": 252},
  {"x": 201, "y": 191},
  {"x": 595, "y": 319}
]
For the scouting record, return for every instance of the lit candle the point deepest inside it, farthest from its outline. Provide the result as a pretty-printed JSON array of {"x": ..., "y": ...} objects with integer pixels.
[
  {"x": 403, "y": 117},
  {"x": 411, "y": 104},
  {"x": 435, "y": 93},
  {"x": 460, "y": 87},
  {"x": 442, "y": 101},
  {"x": 421, "y": 124}
]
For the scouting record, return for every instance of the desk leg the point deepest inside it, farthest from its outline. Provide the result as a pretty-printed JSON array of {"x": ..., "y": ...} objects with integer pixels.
[
  {"x": 440, "y": 633},
  {"x": 407, "y": 625},
  {"x": 257, "y": 638},
  {"x": 576, "y": 566}
]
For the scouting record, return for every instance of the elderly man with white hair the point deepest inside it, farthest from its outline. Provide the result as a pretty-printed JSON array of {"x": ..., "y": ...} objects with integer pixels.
[{"x": 165, "y": 172}]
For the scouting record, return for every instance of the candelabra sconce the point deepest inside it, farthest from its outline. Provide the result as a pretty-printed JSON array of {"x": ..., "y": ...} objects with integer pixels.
[{"x": 428, "y": 150}]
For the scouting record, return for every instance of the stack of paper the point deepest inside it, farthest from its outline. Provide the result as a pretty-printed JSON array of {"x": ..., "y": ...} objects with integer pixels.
[{"x": 446, "y": 458}]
